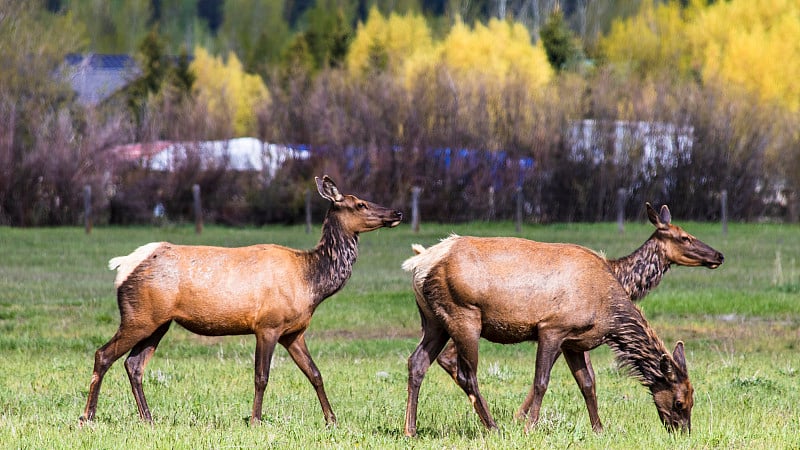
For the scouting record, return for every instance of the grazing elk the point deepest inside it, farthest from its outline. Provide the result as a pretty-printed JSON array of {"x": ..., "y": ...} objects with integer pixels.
[
  {"x": 267, "y": 290},
  {"x": 564, "y": 296},
  {"x": 639, "y": 273}
]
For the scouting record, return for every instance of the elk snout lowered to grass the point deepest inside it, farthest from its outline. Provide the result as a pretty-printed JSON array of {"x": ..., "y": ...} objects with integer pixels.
[
  {"x": 564, "y": 296},
  {"x": 267, "y": 290}
]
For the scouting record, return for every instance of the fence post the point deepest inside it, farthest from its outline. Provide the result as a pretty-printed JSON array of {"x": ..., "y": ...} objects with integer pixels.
[
  {"x": 724, "y": 205},
  {"x": 792, "y": 207},
  {"x": 87, "y": 208},
  {"x": 308, "y": 211},
  {"x": 198, "y": 210},
  {"x": 415, "y": 191},
  {"x": 490, "y": 214},
  {"x": 621, "y": 210},
  {"x": 518, "y": 220}
]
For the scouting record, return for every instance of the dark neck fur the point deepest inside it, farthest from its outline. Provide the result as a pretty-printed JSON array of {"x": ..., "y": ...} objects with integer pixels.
[
  {"x": 331, "y": 261},
  {"x": 641, "y": 271},
  {"x": 636, "y": 345}
]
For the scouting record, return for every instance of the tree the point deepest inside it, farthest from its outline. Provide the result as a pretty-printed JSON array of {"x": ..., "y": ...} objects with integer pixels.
[
  {"x": 229, "y": 93},
  {"x": 328, "y": 33},
  {"x": 154, "y": 65},
  {"x": 256, "y": 30},
  {"x": 559, "y": 42}
]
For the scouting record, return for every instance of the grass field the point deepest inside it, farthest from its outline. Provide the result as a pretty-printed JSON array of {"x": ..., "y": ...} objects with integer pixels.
[{"x": 740, "y": 323}]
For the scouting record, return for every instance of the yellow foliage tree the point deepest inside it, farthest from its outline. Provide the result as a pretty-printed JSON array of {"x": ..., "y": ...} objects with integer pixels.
[
  {"x": 653, "y": 41},
  {"x": 746, "y": 44},
  {"x": 499, "y": 50},
  {"x": 752, "y": 44},
  {"x": 398, "y": 39},
  {"x": 494, "y": 52},
  {"x": 228, "y": 91}
]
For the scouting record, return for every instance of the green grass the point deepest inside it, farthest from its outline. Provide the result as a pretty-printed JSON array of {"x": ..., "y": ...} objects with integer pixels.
[{"x": 740, "y": 323}]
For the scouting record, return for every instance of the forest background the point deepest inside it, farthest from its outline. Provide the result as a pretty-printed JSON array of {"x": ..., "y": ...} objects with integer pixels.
[{"x": 568, "y": 103}]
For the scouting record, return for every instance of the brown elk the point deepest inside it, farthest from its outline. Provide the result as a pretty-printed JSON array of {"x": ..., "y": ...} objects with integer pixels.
[
  {"x": 565, "y": 296},
  {"x": 639, "y": 273},
  {"x": 267, "y": 290}
]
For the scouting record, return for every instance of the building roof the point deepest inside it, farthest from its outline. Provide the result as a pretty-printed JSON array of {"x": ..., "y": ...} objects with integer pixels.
[{"x": 95, "y": 77}]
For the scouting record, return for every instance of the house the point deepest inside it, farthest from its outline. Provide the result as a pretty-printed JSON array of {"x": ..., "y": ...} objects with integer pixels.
[
  {"x": 95, "y": 77},
  {"x": 652, "y": 144},
  {"x": 245, "y": 154}
]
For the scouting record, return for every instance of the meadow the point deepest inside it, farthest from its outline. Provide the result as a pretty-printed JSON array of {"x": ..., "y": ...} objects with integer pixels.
[{"x": 740, "y": 324}]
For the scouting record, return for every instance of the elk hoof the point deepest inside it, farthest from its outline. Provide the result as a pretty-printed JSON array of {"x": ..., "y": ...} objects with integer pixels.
[{"x": 84, "y": 422}]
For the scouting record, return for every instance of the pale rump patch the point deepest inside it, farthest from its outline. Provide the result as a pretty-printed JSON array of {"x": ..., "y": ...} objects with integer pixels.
[
  {"x": 417, "y": 249},
  {"x": 422, "y": 263},
  {"x": 126, "y": 264}
]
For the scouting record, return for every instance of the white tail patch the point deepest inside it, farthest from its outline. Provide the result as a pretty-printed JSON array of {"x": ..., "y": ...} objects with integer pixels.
[
  {"x": 417, "y": 249},
  {"x": 126, "y": 264},
  {"x": 425, "y": 259}
]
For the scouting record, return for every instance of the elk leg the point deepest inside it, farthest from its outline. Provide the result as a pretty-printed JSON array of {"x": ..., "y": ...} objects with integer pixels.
[
  {"x": 581, "y": 367},
  {"x": 448, "y": 360},
  {"x": 122, "y": 341},
  {"x": 135, "y": 363},
  {"x": 434, "y": 337},
  {"x": 467, "y": 379},
  {"x": 525, "y": 408},
  {"x": 296, "y": 345},
  {"x": 265, "y": 346},
  {"x": 546, "y": 353}
]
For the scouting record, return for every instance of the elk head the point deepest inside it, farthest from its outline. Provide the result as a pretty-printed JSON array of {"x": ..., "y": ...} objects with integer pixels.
[
  {"x": 674, "y": 396},
  {"x": 355, "y": 214},
  {"x": 681, "y": 247}
]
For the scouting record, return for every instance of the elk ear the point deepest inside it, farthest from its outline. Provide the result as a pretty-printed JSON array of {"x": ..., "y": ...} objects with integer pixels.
[
  {"x": 658, "y": 219},
  {"x": 679, "y": 356},
  {"x": 327, "y": 189},
  {"x": 667, "y": 369},
  {"x": 666, "y": 217}
]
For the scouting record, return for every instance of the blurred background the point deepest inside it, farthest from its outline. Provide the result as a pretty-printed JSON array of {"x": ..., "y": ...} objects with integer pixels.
[{"x": 574, "y": 110}]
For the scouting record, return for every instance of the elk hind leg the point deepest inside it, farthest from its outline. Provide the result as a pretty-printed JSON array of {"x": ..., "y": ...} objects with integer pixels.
[
  {"x": 434, "y": 338},
  {"x": 123, "y": 340},
  {"x": 448, "y": 360},
  {"x": 135, "y": 364},
  {"x": 466, "y": 345}
]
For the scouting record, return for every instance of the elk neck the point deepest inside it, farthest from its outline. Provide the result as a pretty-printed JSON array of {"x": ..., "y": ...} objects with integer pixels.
[
  {"x": 331, "y": 261},
  {"x": 642, "y": 270},
  {"x": 636, "y": 345}
]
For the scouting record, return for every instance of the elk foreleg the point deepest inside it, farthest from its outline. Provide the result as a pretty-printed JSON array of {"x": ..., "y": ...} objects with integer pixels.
[
  {"x": 265, "y": 346},
  {"x": 581, "y": 367},
  {"x": 434, "y": 337},
  {"x": 135, "y": 363},
  {"x": 546, "y": 353},
  {"x": 296, "y": 345},
  {"x": 525, "y": 409}
]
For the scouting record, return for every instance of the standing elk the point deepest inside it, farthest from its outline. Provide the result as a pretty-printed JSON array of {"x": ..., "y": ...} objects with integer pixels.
[
  {"x": 267, "y": 290},
  {"x": 638, "y": 273},
  {"x": 567, "y": 297}
]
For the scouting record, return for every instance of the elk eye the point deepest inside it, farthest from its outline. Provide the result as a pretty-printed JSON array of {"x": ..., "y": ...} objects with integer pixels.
[
  {"x": 679, "y": 405},
  {"x": 361, "y": 206},
  {"x": 685, "y": 239}
]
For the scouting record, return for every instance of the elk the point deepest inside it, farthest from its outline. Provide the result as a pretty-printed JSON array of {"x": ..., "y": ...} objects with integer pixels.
[
  {"x": 267, "y": 290},
  {"x": 638, "y": 273},
  {"x": 566, "y": 297}
]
